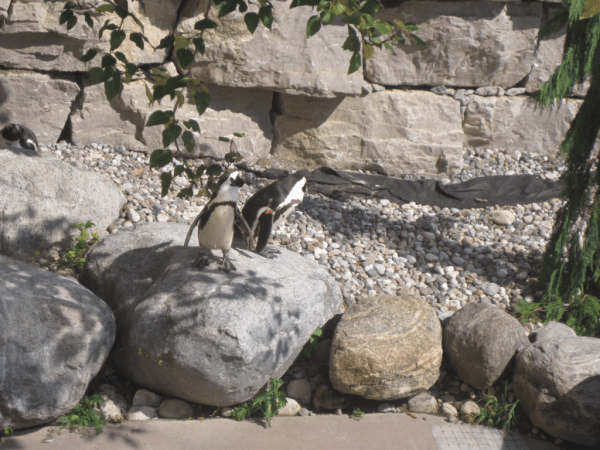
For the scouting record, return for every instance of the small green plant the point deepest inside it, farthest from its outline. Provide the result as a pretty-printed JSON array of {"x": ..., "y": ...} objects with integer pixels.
[
  {"x": 85, "y": 416},
  {"x": 157, "y": 360},
  {"x": 313, "y": 343},
  {"x": 357, "y": 413},
  {"x": 73, "y": 257},
  {"x": 497, "y": 413},
  {"x": 267, "y": 403},
  {"x": 7, "y": 431}
]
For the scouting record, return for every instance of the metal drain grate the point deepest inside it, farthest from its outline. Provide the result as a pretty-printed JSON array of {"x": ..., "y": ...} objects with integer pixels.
[{"x": 474, "y": 437}]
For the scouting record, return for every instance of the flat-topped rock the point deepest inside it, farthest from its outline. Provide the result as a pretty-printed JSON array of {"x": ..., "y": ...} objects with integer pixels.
[{"x": 207, "y": 336}]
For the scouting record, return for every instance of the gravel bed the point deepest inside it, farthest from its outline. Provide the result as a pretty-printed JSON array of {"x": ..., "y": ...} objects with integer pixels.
[{"x": 450, "y": 257}]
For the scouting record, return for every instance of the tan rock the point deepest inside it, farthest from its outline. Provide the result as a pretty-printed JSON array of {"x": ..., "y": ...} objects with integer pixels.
[
  {"x": 122, "y": 121},
  {"x": 282, "y": 60},
  {"x": 502, "y": 217},
  {"x": 32, "y": 38},
  {"x": 469, "y": 410},
  {"x": 40, "y": 102},
  {"x": 386, "y": 348},
  {"x": 174, "y": 408},
  {"x": 401, "y": 131},
  {"x": 468, "y": 44},
  {"x": 513, "y": 123},
  {"x": 291, "y": 408}
]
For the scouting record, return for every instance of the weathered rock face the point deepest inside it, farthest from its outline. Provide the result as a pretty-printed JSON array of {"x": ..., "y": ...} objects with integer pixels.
[
  {"x": 386, "y": 348},
  {"x": 557, "y": 380},
  {"x": 40, "y": 102},
  {"x": 468, "y": 44},
  {"x": 122, "y": 121},
  {"x": 515, "y": 123},
  {"x": 207, "y": 336},
  {"x": 480, "y": 342},
  {"x": 401, "y": 131},
  {"x": 32, "y": 38},
  {"x": 282, "y": 60},
  {"x": 43, "y": 197},
  {"x": 55, "y": 336}
]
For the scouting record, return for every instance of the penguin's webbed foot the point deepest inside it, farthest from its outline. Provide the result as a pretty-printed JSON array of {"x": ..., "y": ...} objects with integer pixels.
[
  {"x": 226, "y": 264},
  {"x": 201, "y": 262}
]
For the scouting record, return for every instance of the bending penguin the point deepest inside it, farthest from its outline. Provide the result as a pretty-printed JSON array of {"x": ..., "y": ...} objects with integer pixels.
[
  {"x": 267, "y": 208},
  {"x": 18, "y": 136},
  {"x": 216, "y": 221}
]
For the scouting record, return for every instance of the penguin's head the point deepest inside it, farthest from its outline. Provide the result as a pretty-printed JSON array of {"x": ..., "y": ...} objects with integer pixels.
[
  {"x": 231, "y": 179},
  {"x": 11, "y": 132}
]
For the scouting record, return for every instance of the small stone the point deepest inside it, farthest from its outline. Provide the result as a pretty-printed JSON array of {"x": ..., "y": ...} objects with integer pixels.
[
  {"x": 300, "y": 390},
  {"x": 423, "y": 403},
  {"x": 502, "y": 217},
  {"x": 226, "y": 411},
  {"x": 133, "y": 215},
  {"x": 338, "y": 412},
  {"x": 139, "y": 413},
  {"x": 468, "y": 410},
  {"x": 291, "y": 408},
  {"x": 143, "y": 397},
  {"x": 386, "y": 408},
  {"x": 449, "y": 410},
  {"x": 304, "y": 412},
  {"x": 175, "y": 409}
]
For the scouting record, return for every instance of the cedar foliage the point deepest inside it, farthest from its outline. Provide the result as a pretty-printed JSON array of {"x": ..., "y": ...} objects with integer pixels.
[{"x": 571, "y": 266}]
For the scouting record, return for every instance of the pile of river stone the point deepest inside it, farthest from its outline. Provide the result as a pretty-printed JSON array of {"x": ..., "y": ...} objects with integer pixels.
[{"x": 450, "y": 257}]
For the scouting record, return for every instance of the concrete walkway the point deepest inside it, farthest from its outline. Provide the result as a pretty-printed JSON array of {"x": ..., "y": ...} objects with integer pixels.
[{"x": 321, "y": 432}]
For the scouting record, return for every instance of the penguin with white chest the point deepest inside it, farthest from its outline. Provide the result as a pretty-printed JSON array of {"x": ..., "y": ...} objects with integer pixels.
[
  {"x": 216, "y": 221},
  {"x": 18, "y": 136},
  {"x": 267, "y": 208}
]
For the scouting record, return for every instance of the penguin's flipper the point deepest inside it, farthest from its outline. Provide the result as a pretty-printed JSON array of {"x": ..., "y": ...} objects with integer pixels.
[
  {"x": 265, "y": 226},
  {"x": 192, "y": 226},
  {"x": 226, "y": 264},
  {"x": 242, "y": 225}
]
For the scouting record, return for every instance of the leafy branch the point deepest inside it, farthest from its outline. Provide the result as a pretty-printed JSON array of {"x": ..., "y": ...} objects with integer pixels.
[
  {"x": 359, "y": 15},
  {"x": 364, "y": 33}
]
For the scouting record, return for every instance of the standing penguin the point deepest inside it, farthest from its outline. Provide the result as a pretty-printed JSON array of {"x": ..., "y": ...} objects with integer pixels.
[
  {"x": 267, "y": 208},
  {"x": 18, "y": 136},
  {"x": 216, "y": 221}
]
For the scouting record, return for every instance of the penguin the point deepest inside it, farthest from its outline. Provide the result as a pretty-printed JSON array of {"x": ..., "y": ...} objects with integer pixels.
[
  {"x": 18, "y": 136},
  {"x": 216, "y": 221},
  {"x": 267, "y": 208}
]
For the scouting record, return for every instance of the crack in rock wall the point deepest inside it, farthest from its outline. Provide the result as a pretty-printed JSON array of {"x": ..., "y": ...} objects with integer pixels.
[{"x": 291, "y": 95}]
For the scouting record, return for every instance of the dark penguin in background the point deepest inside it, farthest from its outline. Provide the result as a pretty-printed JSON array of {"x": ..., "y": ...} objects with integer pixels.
[
  {"x": 216, "y": 221},
  {"x": 267, "y": 208},
  {"x": 18, "y": 136}
]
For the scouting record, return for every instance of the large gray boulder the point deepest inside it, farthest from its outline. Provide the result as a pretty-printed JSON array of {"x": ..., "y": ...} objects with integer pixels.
[
  {"x": 557, "y": 380},
  {"x": 480, "y": 342},
  {"x": 205, "y": 335},
  {"x": 386, "y": 348},
  {"x": 42, "y": 197},
  {"x": 54, "y": 337}
]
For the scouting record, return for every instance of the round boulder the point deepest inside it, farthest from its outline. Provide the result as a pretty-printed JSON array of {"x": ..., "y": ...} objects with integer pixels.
[
  {"x": 386, "y": 348},
  {"x": 54, "y": 337},
  {"x": 207, "y": 336},
  {"x": 557, "y": 380},
  {"x": 480, "y": 342}
]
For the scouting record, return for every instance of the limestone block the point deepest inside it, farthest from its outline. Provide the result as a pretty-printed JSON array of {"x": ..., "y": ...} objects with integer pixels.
[
  {"x": 468, "y": 44},
  {"x": 282, "y": 60},
  {"x": 401, "y": 131},
  {"x": 32, "y": 37},
  {"x": 40, "y": 102},
  {"x": 122, "y": 121},
  {"x": 513, "y": 123},
  {"x": 386, "y": 348},
  {"x": 548, "y": 55}
]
